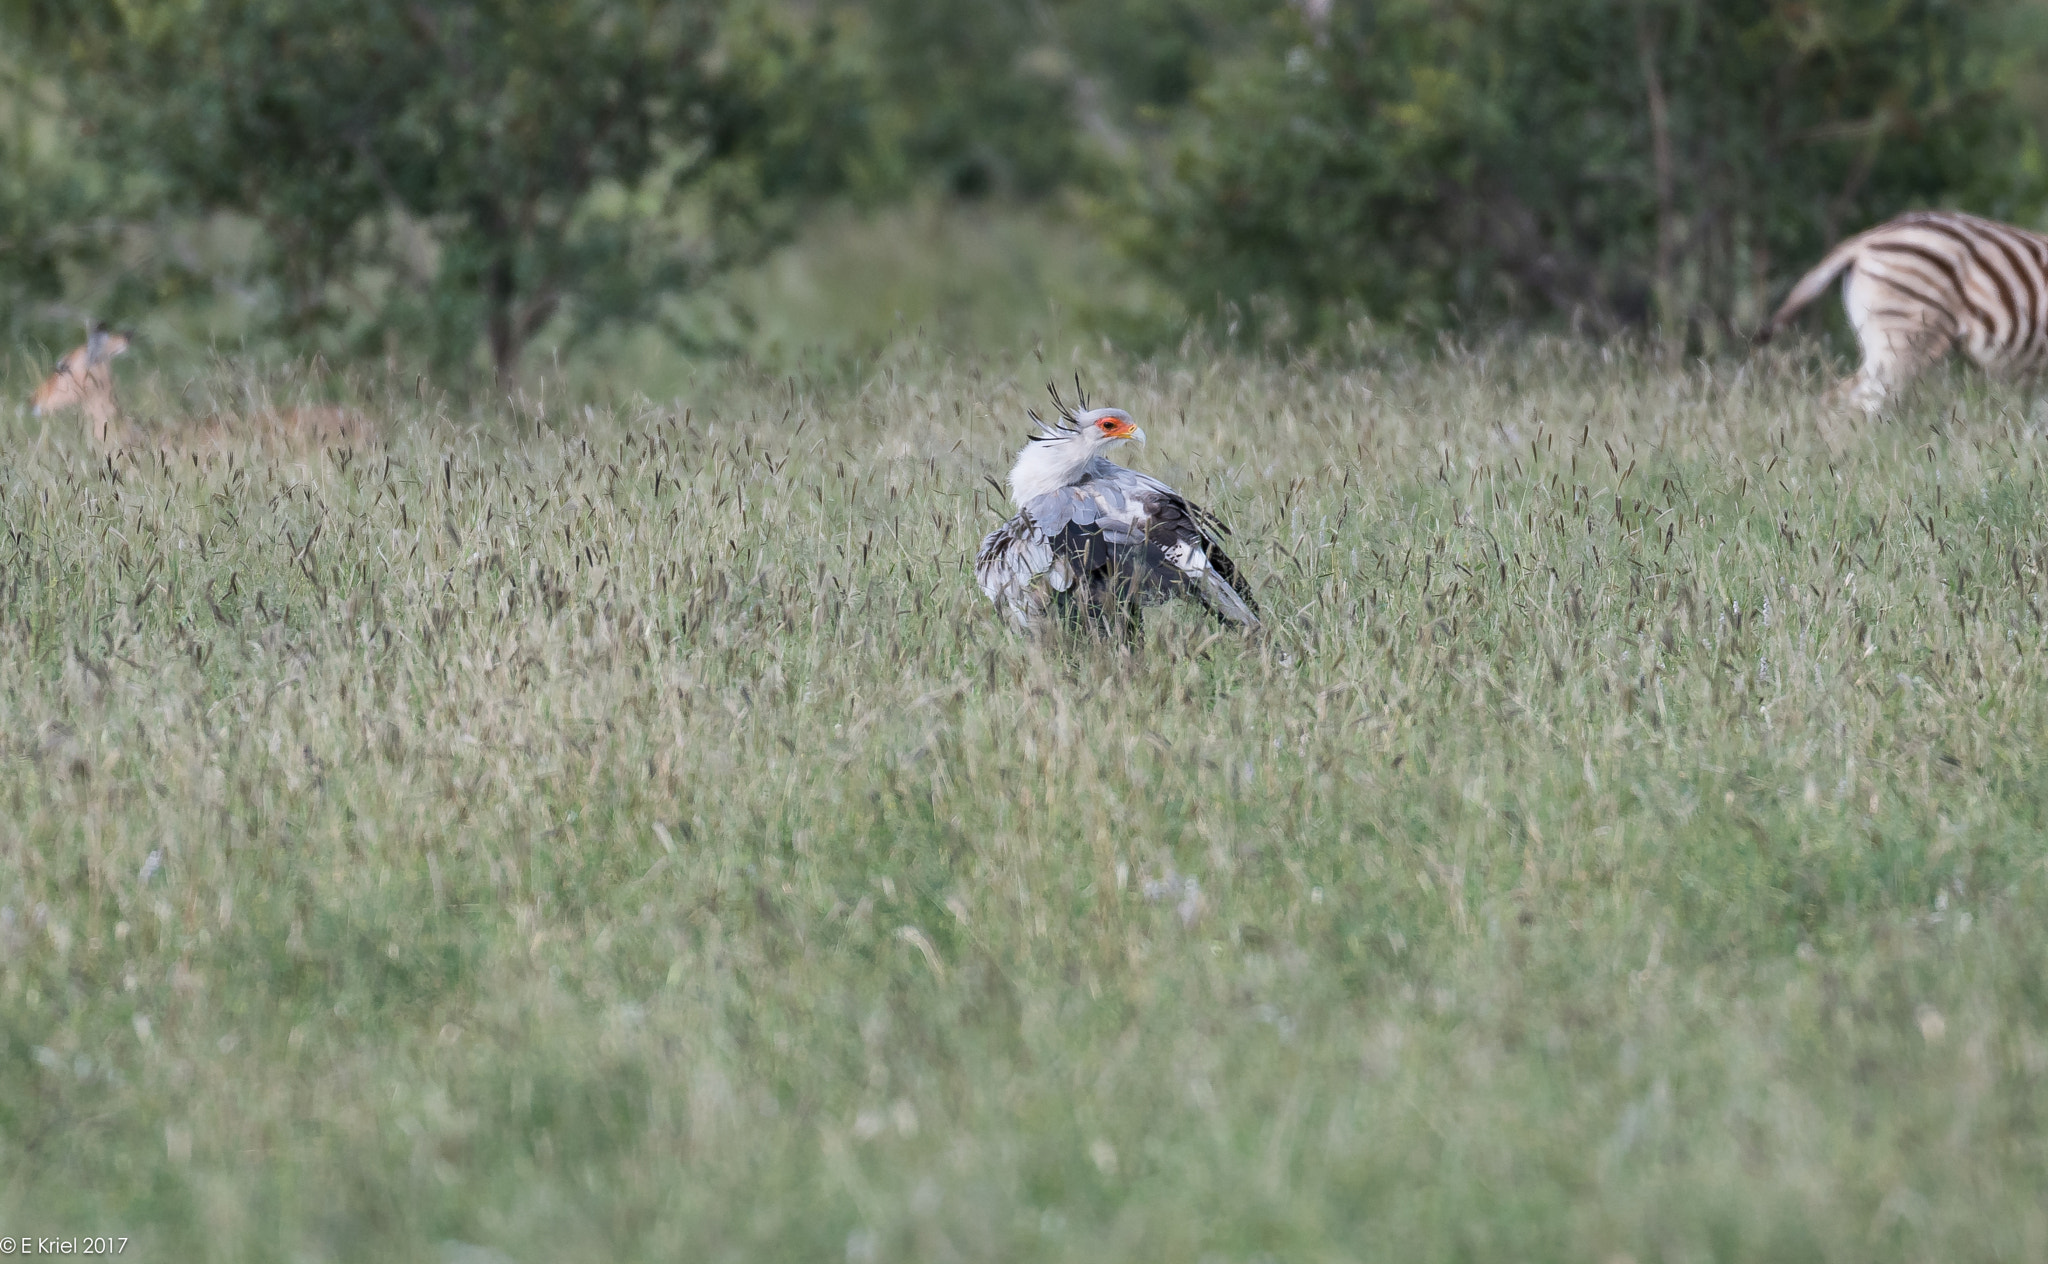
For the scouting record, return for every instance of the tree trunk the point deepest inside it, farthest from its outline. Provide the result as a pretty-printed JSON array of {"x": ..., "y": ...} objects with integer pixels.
[
  {"x": 501, "y": 289},
  {"x": 1664, "y": 282}
]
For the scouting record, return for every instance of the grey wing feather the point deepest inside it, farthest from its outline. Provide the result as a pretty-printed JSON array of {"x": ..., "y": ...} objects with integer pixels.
[
  {"x": 1054, "y": 512},
  {"x": 1008, "y": 566},
  {"x": 1016, "y": 556}
]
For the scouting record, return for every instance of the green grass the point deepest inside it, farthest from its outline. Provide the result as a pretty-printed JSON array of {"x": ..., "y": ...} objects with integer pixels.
[{"x": 628, "y": 835}]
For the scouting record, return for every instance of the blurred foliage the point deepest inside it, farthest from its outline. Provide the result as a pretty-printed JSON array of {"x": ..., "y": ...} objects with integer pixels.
[
  {"x": 1660, "y": 160},
  {"x": 435, "y": 176},
  {"x": 48, "y": 196},
  {"x": 441, "y": 183},
  {"x": 1025, "y": 98},
  {"x": 863, "y": 287}
]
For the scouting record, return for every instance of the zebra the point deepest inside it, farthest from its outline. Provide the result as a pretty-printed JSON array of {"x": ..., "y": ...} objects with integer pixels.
[{"x": 1928, "y": 282}]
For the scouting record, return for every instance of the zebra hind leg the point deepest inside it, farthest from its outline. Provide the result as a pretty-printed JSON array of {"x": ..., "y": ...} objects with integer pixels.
[
  {"x": 1863, "y": 390},
  {"x": 1900, "y": 336},
  {"x": 1887, "y": 372}
]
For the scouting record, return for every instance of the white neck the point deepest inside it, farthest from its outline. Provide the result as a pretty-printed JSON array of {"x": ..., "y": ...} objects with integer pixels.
[{"x": 1049, "y": 465}]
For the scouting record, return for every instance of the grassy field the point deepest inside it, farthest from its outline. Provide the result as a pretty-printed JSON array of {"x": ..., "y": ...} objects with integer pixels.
[{"x": 605, "y": 835}]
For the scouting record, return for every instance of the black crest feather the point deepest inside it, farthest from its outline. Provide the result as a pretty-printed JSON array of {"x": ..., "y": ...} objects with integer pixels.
[
  {"x": 1066, "y": 421},
  {"x": 1067, "y": 412}
]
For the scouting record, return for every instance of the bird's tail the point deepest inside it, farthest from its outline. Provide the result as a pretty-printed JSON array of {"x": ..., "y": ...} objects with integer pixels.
[
  {"x": 1217, "y": 584},
  {"x": 1223, "y": 598}
]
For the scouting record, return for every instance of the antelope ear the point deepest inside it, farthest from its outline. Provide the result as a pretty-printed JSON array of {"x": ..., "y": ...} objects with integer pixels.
[{"x": 104, "y": 345}]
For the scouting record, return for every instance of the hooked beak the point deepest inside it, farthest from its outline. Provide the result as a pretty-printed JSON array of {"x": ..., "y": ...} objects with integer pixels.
[{"x": 1137, "y": 434}]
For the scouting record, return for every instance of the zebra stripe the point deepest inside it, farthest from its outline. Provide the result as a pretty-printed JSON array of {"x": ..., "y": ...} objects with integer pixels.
[{"x": 1929, "y": 282}]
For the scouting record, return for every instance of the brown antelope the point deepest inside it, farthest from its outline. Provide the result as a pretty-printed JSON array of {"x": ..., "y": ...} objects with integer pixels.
[{"x": 84, "y": 380}]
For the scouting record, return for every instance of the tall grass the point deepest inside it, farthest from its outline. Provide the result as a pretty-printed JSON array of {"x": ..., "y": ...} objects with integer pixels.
[{"x": 578, "y": 834}]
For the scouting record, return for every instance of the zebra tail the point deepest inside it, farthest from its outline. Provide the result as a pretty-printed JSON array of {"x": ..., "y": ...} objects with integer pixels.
[{"x": 1812, "y": 286}]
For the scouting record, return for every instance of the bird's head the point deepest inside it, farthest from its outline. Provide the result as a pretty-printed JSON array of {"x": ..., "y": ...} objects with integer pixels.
[
  {"x": 1106, "y": 427},
  {"x": 1095, "y": 429},
  {"x": 1067, "y": 447}
]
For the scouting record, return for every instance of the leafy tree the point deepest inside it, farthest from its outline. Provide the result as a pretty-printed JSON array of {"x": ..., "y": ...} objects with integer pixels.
[
  {"x": 460, "y": 172},
  {"x": 1029, "y": 98},
  {"x": 973, "y": 91},
  {"x": 49, "y": 199}
]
